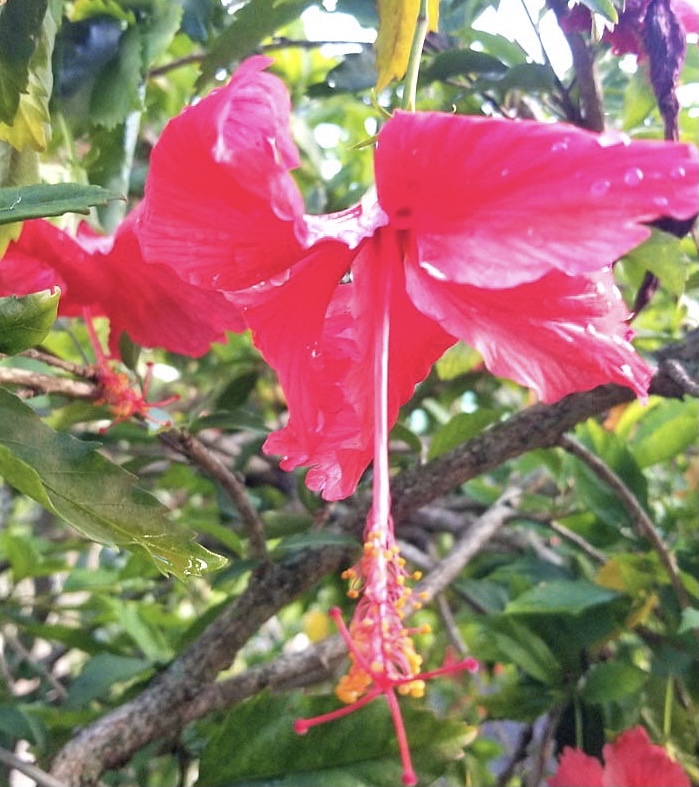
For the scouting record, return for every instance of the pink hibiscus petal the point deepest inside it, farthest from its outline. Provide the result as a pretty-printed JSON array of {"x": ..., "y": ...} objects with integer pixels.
[
  {"x": 557, "y": 335},
  {"x": 576, "y": 769},
  {"x": 318, "y": 335},
  {"x": 632, "y": 760},
  {"x": 495, "y": 203},
  {"x": 106, "y": 276},
  {"x": 221, "y": 207}
]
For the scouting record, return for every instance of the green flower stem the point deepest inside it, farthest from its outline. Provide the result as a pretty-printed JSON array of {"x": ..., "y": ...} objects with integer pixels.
[{"x": 411, "y": 75}]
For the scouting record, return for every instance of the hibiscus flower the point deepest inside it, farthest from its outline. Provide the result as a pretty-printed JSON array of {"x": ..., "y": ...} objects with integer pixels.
[
  {"x": 496, "y": 232},
  {"x": 105, "y": 276},
  {"x": 631, "y": 761}
]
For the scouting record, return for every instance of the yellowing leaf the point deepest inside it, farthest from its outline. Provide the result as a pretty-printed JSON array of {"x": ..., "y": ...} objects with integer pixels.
[{"x": 397, "y": 23}]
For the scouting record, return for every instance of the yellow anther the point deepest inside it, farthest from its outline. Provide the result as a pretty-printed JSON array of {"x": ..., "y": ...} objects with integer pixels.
[{"x": 417, "y": 575}]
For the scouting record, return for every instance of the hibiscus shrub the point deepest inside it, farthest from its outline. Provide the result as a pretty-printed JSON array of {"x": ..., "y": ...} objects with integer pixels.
[{"x": 349, "y": 437}]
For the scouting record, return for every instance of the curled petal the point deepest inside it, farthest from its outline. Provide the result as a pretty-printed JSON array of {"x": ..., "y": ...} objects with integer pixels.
[
  {"x": 221, "y": 207},
  {"x": 557, "y": 335},
  {"x": 497, "y": 203}
]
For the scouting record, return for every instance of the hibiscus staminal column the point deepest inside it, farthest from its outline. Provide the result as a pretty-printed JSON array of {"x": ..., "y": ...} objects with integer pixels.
[{"x": 381, "y": 650}]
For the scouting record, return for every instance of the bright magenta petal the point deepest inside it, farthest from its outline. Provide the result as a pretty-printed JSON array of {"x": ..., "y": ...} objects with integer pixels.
[
  {"x": 557, "y": 335},
  {"x": 632, "y": 760},
  {"x": 495, "y": 203},
  {"x": 318, "y": 335},
  {"x": 576, "y": 769},
  {"x": 44, "y": 257},
  {"x": 221, "y": 207},
  {"x": 106, "y": 276},
  {"x": 155, "y": 307}
]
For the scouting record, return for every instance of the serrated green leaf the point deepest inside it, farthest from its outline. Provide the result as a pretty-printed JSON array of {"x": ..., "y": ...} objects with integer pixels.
[
  {"x": 117, "y": 90},
  {"x": 20, "y": 22},
  {"x": 46, "y": 199},
  {"x": 612, "y": 681},
  {"x": 98, "y": 498},
  {"x": 358, "y": 750},
  {"x": 24, "y": 322},
  {"x": 256, "y": 20}
]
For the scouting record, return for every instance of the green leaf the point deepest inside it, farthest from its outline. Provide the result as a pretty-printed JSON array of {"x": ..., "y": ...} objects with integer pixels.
[
  {"x": 518, "y": 644},
  {"x": 605, "y": 8},
  {"x": 358, "y": 750},
  {"x": 24, "y": 322},
  {"x": 661, "y": 254},
  {"x": 45, "y": 199},
  {"x": 100, "y": 673},
  {"x": 458, "y": 62},
  {"x": 98, "y": 498},
  {"x": 30, "y": 126},
  {"x": 561, "y": 597},
  {"x": 639, "y": 101},
  {"x": 20, "y": 21},
  {"x": 256, "y": 20},
  {"x": 459, "y": 429},
  {"x": 668, "y": 430},
  {"x": 528, "y": 77},
  {"x": 117, "y": 90},
  {"x": 613, "y": 680}
]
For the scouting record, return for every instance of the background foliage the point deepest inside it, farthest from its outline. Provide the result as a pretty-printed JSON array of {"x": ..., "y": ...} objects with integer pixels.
[{"x": 580, "y": 600}]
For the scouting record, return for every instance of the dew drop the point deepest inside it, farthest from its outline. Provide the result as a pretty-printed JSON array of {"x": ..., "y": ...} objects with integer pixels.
[
  {"x": 612, "y": 138},
  {"x": 661, "y": 202},
  {"x": 590, "y": 328},
  {"x": 504, "y": 172},
  {"x": 677, "y": 173},
  {"x": 432, "y": 271},
  {"x": 601, "y": 288},
  {"x": 625, "y": 369},
  {"x": 599, "y": 188},
  {"x": 633, "y": 177},
  {"x": 561, "y": 144}
]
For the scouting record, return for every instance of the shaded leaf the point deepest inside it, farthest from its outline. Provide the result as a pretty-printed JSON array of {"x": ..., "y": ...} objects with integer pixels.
[
  {"x": 459, "y": 429},
  {"x": 561, "y": 597},
  {"x": 24, "y": 322},
  {"x": 100, "y": 673},
  {"x": 98, "y": 498},
  {"x": 256, "y": 20},
  {"x": 458, "y": 62},
  {"x": 605, "y": 8},
  {"x": 20, "y": 22},
  {"x": 397, "y": 24},
  {"x": 30, "y": 127},
  {"x": 613, "y": 680},
  {"x": 44, "y": 199},
  {"x": 358, "y": 750}
]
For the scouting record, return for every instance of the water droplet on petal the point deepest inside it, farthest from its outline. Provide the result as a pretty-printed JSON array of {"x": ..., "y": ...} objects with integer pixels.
[
  {"x": 432, "y": 271},
  {"x": 625, "y": 369},
  {"x": 504, "y": 172},
  {"x": 561, "y": 144},
  {"x": 601, "y": 288},
  {"x": 590, "y": 328},
  {"x": 661, "y": 202},
  {"x": 677, "y": 173},
  {"x": 633, "y": 177},
  {"x": 599, "y": 188},
  {"x": 611, "y": 138}
]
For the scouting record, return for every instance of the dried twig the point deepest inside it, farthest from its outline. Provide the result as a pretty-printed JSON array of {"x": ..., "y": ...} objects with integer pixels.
[
  {"x": 41, "y": 778},
  {"x": 641, "y": 521}
]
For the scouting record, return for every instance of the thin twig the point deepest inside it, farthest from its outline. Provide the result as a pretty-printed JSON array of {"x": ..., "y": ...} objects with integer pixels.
[
  {"x": 578, "y": 540},
  {"x": 640, "y": 519},
  {"x": 188, "y": 445},
  {"x": 41, "y": 778}
]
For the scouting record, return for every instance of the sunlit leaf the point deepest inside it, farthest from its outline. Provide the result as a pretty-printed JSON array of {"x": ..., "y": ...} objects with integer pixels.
[
  {"x": 24, "y": 322},
  {"x": 612, "y": 681},
  {"x": 98, "y": 498},
  {"x": 397, "y": 23}
]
